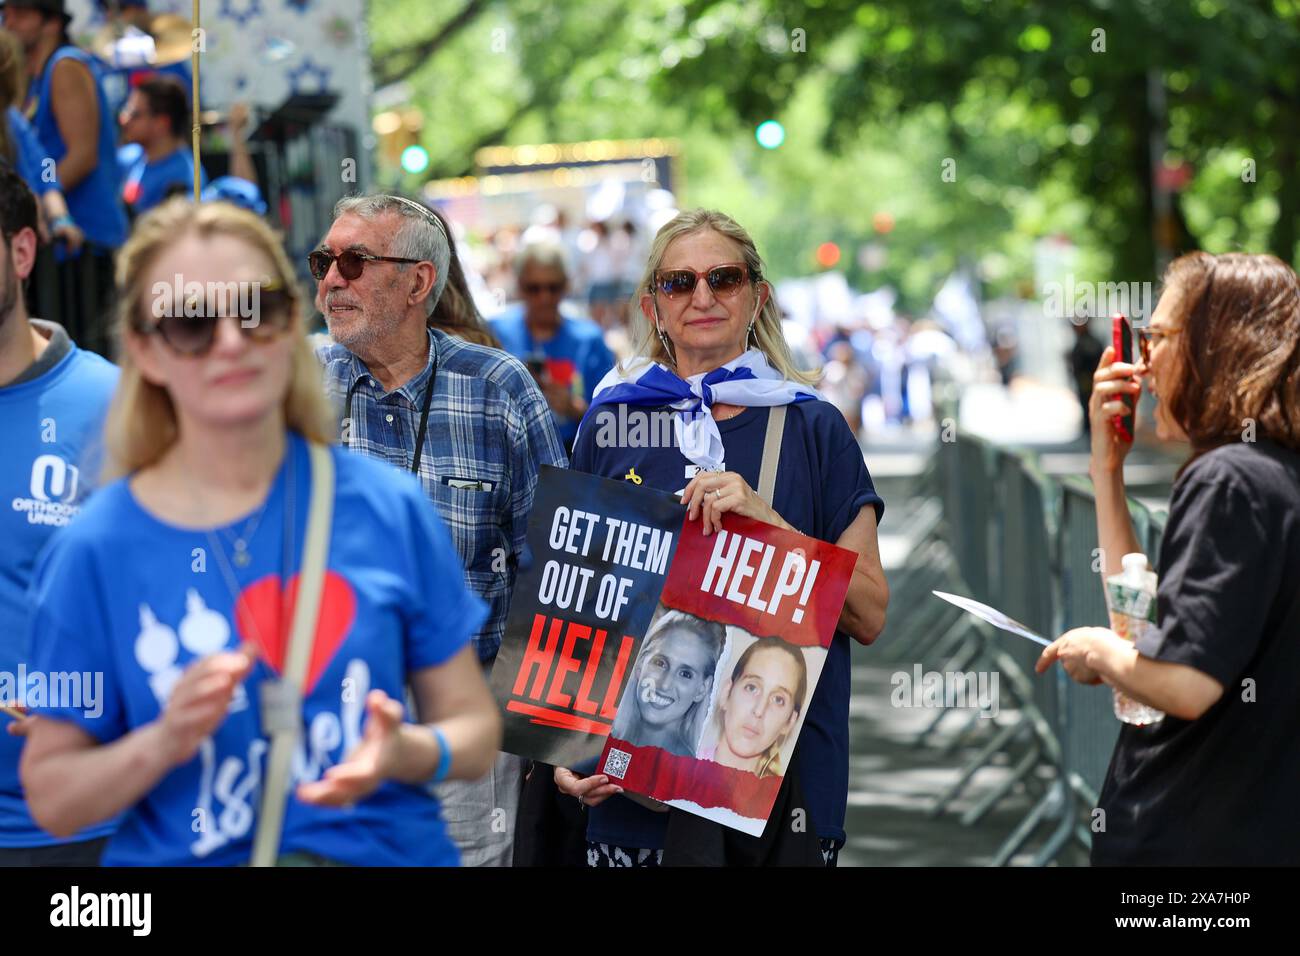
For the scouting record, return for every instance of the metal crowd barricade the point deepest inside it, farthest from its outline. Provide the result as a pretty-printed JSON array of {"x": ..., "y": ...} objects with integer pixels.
[
  {"x": 1004, "y": 530},
  {"x": 974, "y": 467},
  {"x": 966, "y": 485},
  {"x": 1088, "y": 727},
  {"x": 1026, "y": 589},
  {"x": 930, "y": 566},
  {"x": 1026, "y": 584},
  {"x": 1028, "y": 545}
]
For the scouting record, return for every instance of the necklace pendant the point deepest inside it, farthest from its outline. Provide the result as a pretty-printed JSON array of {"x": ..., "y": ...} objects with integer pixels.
[{"x": 242, "y": 558}]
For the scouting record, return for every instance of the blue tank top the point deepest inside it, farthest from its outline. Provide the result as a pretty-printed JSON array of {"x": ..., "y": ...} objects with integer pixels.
[{"x": 95, "y": 203}]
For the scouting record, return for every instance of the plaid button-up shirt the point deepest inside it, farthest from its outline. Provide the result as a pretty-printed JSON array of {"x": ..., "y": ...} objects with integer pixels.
[{"x": 489, "y": 430}]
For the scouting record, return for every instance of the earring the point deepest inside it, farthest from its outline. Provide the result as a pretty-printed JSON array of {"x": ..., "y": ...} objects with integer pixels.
[
  {"x": 667, "y": 348},
  {"x": 664, "y": 339},
  {"x": 750, "y": 331}
]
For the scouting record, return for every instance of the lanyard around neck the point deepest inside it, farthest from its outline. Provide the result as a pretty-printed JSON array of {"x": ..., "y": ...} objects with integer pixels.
[{"x": 424, "y": 409}]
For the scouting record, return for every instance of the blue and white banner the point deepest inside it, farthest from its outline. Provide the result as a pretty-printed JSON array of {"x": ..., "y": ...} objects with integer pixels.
[{"x": 747, "y": 380}]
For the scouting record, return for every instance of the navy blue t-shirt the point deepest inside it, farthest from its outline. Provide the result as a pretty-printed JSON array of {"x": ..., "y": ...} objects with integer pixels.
[{"x": 821, "y": 485}]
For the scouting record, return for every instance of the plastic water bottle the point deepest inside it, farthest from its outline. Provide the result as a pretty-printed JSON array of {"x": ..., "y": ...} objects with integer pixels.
[{"x": 1131, "y": 600}]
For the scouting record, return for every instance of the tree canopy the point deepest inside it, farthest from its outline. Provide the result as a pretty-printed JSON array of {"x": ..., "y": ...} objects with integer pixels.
[{"x": 978, "y": 125}]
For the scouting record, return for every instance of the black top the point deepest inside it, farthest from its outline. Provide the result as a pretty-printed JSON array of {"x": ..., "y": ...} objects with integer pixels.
[{"x": 1224, "y": 789}]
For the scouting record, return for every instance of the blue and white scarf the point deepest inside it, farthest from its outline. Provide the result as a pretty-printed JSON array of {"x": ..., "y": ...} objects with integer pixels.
[{"x": 746, "y": 380}]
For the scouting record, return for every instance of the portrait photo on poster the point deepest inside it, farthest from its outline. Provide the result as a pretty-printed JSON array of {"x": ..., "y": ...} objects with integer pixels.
[
  {"x": 672, "y": 682},
  {"x": 759, "y": 705},
  {"x": 718, "y": 692},
  {"x": 713, "y": 713}
]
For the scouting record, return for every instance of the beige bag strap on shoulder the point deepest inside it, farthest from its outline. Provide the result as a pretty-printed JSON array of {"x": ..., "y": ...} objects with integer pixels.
[
  {"x": 282, "y": 699},
  {"x": 771, "y": 453}
]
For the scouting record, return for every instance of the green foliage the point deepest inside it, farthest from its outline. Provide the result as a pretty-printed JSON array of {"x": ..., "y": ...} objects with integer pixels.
[{"x": 1046, "y": 110}]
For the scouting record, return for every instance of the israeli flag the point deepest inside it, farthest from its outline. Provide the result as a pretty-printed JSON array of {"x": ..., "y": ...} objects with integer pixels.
[{"x": 747, "y": 380}]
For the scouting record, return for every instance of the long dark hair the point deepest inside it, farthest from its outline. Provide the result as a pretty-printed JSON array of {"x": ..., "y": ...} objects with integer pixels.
[
  {"x": 455, "y": 312},
  {"x": 769, "y": 763},
  {"x": 1238, "y": 350}
]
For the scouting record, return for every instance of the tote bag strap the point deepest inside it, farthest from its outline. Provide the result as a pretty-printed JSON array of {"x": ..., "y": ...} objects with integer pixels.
[
  {"x": 282, "y": 699},
  {"x": 771, "y": 453}
]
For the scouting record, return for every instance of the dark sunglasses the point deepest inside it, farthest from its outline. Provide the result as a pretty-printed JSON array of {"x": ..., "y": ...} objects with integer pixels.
[
  {"x": 351, "y": 263},
  {"x": 533, "y": 288},
  {"x": 193, "y": 335},
  {"x": 724, "y": 280}
]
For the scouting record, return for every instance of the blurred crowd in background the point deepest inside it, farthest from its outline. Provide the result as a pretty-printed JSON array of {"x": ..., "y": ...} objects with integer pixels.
[{"x": 881, "y": 366}]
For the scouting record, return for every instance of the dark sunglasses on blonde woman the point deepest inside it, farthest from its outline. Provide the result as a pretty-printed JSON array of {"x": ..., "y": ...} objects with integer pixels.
[
  {"x": 725, "y": 280},
  {"x": 192, "y": 335}
]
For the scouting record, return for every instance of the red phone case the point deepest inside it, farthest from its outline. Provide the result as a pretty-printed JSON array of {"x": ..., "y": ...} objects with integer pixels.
[{"x": 1120, "y": 331}]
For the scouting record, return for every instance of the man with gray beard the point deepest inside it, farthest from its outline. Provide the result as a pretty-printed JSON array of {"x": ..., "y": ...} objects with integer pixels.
[{"x": 467, "y": 420}]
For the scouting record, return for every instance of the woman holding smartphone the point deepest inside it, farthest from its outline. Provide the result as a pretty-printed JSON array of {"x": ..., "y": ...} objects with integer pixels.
[
  {"x": 176, "y": 585},
  {"x": 1216, "y": 781}
]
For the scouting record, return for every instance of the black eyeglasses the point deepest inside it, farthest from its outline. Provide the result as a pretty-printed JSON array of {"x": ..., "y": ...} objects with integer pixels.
[
  {"x": 192, "y": 334},
  {"x": 725, "y": 280},
  {"x": 351, "y": 263}
]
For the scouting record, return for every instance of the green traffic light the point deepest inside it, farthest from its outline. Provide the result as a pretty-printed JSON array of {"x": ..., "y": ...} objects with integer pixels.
[
  {"x": 770, "y": 134},
  {"x": 415, "y": 159}
]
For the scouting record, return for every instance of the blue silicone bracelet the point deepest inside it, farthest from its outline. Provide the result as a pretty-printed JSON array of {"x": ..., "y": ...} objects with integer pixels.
[{"x": 444, "y": 754}]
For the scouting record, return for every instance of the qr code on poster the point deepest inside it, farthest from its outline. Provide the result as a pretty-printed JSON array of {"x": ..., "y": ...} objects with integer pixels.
[{"x": 616, "y": 763}]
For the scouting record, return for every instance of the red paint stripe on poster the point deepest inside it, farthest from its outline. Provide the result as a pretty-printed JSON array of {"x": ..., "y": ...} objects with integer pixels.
[
  {"x": 657, "y": 773},
  {"x": 557, "y": 718}
]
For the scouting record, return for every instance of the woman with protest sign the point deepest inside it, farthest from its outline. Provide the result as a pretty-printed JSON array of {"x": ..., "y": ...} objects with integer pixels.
[
  {"x": 1216, "y": 780},
  {"x": 712, "y": 356},
  {"x": 178, "y": 586}
]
